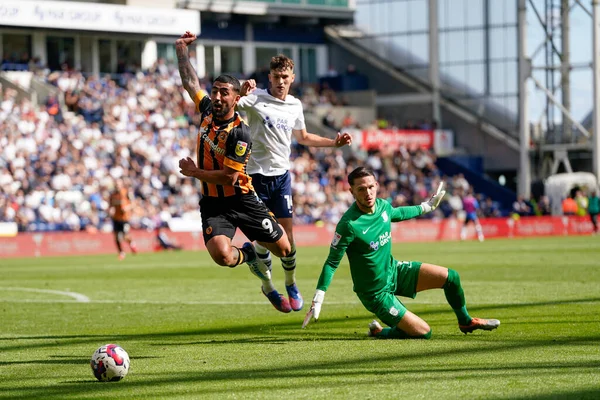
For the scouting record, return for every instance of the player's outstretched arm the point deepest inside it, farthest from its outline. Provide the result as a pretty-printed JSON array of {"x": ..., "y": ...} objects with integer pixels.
[
  {"x": 342, "y": 238},
  {"x": 189, "y": 79},
  {"x": 409, "y": 212},
  {"x": 310, "y": 139}
]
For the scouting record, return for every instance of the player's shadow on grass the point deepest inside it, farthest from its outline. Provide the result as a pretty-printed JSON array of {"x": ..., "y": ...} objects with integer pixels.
[
  {"x": 410, "y": 367},
  {"x": 264, "y": 340},
  {"x": 287, "y": 329}
]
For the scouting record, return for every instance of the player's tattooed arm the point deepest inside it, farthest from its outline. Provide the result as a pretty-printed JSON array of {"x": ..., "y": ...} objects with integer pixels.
[{"x": 189, "y": 79}]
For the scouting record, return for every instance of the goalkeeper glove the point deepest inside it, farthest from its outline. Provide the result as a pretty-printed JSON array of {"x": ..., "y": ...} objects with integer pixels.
[
  {"x": 315, "y": 307},
  {"x": 435, "y": 200}
]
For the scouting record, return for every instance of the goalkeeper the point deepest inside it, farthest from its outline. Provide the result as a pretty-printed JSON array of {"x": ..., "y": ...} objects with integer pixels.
[{"x": 364, "y": 233}]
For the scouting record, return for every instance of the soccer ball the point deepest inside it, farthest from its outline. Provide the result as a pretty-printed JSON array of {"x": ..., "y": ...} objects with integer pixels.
[{"x": 110, "y": 363}]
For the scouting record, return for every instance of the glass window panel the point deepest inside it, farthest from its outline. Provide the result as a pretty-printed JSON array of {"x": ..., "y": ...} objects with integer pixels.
[
  {"x": 474, "y": 46},
  {"x": 363, "y": 16},
  {"x": 231, "y": 60},
  {"x": 129, "y": 55},
  {"x": 368, "y": 17},
  {"x": 455, "y": 12},
  {"x": 209, "y": 61},
  {"x": 503, "y": 43},
  {"x": 87, "y": 57},
  {"x": 418, "y": 15},
  {"x": 60, "y": 50},
  {"x": 503, "y": 77},
  {"x": 377, "y": 24},
  {"x": 443, "y": 51},
  {"x": 264, "y": 55},
  {"x": 287, "y": 51},
  {"x": 503, "y": 12},
  {"x": 443, "y": 13},
  {"x": 476, "y": 77},
  {"x": 104, "y": 55},
  {"x": 453, "y": 44},
  {"x": 166, "y": 51},
  {"x": 308, "y": 63},
  {"x": 330, "y": 3},
  {"x": 419, "y": 48},
  {"x": 16, "y": 48},
  {"x": 475, "y": 13}
]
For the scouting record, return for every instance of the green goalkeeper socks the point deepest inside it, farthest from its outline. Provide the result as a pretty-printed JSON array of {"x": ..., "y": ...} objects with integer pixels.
[
  {"x": 395, "y": 333},
  {"x": 456, "y": 297}
]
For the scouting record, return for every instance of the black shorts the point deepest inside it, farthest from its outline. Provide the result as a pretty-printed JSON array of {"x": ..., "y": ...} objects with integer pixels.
[
  {"x": 275, "y": 192},
  {"x": 222, "y": 215},
  {"x": 120, "y": 226}
]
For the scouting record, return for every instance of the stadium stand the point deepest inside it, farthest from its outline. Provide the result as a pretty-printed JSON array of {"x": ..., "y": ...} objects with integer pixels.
[{"x": 58, "y": 163}]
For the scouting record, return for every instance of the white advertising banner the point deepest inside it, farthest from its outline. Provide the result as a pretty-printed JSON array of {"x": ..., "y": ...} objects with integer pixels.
[{"x": 98, "y": 17}]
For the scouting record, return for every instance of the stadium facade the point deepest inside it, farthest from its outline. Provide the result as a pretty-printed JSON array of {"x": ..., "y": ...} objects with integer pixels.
[{"x": 113, "y": 36}]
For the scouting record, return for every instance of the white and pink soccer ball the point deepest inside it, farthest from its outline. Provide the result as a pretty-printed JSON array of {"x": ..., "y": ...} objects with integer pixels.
[{"x": 110, "y": 363}]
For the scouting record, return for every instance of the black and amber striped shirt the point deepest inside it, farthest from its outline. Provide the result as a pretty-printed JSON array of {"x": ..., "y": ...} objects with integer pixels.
[{"x": 226, "y": 144}]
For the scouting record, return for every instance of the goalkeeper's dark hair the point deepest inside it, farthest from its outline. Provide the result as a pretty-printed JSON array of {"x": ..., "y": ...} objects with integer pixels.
[
  {"x": 358, "y": 173},
  {"x": 224, "y": 78}
]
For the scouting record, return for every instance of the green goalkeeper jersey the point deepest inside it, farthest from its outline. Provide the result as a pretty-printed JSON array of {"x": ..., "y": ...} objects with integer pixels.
[{"x": 367, "y": 239}]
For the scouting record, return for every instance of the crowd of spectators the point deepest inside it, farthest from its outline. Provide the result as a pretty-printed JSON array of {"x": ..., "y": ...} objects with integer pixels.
[
  {"x": 405, "y": 177},
  {"x": 58, "y": 165}
]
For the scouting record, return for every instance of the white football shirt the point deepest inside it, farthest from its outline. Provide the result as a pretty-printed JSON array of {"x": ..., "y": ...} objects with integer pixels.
[{"x": 271, "y": 123}]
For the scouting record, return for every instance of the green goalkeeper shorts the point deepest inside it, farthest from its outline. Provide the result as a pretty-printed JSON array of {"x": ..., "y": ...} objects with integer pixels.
[{"x": 385, "y": 305}]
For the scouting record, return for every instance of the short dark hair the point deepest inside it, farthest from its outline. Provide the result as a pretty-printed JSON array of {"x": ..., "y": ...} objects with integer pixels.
[
  {"x": 281, "y": 62},
  {"x": 224, "y": 78},
  {"x": 359, "y": 172}
]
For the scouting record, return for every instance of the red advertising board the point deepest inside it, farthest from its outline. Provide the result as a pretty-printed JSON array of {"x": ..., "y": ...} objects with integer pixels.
[
  {"x": 393, "y": 139},
  {"x": 419, "y": 230}
]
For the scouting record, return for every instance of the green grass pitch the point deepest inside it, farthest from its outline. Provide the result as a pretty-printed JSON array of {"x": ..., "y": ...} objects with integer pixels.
[{"x": 196, "y": 330}]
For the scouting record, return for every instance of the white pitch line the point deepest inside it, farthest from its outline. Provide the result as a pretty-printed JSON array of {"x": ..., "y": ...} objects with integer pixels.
[{"x": 77, "y": 296}]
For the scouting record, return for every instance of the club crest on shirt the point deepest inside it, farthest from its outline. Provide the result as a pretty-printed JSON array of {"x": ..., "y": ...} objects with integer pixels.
[
  {"x": 374, "y": 245},
  {"x": 384, "y": 216},
  {"x": 222, "y": 136},
  {"x": 336, "y": 239},
  {"x": 240, "y": 148}
]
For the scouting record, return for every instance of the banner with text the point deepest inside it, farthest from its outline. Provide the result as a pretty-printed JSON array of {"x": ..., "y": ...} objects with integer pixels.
[
  {"x": 441, "y": 141},
  {"x": 418, "y": 230},
  {"x": 98, "y": 17}
]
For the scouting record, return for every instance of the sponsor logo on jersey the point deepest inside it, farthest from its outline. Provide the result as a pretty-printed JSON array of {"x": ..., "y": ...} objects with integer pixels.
[
  {"x": 336, "y": 239},
  {"x": 282, "y": 124},
  {"x": 384, "y": 216},
  {"x": 385, "y": 238},
  {"x": 213, "y": 146},
  {"x": 374, "y": 245},
  {"x": 240, "y": 148}
]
